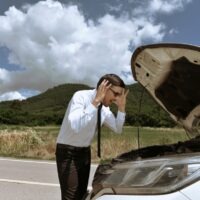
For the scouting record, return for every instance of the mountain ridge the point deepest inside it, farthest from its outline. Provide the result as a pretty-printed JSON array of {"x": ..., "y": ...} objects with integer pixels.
[{"x": 49, "y": 107}]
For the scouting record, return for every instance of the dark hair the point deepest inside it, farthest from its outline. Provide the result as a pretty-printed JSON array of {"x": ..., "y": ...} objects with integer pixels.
[{"x": 113, "y": 79}]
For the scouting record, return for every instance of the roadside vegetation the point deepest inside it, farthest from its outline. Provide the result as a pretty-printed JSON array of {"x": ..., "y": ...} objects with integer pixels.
[{"x": 39, "y": 142}]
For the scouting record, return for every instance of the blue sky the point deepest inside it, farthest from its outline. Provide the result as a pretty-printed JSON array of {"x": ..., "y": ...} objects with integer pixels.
[{"x": 47, "y": 43}]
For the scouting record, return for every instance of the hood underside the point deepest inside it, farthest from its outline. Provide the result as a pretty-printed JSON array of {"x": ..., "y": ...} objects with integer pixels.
[{"x": 171, "y": 74}]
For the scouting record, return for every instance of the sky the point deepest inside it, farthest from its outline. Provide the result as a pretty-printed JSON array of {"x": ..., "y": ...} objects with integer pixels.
[{"x": 47, "y": 43}]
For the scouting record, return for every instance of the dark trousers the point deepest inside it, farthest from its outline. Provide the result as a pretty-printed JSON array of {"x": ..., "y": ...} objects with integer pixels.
[{"x": 73, "y": 165}]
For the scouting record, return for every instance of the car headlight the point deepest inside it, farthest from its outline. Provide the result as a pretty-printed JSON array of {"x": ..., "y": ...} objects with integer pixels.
[{"x": 152, "y": 176}]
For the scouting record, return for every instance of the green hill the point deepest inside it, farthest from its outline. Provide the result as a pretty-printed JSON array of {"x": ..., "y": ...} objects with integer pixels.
[{"x": 50, "y": 106}]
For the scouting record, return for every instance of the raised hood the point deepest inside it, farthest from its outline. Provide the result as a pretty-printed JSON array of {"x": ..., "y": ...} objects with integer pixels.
[{"x": 171, "y": 74}]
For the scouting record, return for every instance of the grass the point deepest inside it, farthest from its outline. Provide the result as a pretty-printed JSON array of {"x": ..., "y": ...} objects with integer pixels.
[
  {"x": 40, "y": 142},
  {"x": 26, "y": 142}
]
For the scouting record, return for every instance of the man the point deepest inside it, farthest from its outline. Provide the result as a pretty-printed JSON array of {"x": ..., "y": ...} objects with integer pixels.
[{"x": 73, "y": 154}]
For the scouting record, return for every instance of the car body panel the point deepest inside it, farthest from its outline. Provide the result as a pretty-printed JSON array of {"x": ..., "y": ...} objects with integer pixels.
[
  {"x": 192, "y": 191},
  {"x": 172, "y": 196}
]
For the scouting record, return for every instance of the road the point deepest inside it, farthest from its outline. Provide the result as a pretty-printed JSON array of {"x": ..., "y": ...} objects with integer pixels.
[{"x": 30, "y": 179}]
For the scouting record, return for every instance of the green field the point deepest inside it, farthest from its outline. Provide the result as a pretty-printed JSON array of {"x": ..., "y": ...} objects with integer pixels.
[{"x": 39, "y": 142}]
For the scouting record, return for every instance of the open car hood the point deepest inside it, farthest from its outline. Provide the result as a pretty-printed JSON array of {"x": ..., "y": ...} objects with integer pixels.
[{"x": 171, "y": 74}]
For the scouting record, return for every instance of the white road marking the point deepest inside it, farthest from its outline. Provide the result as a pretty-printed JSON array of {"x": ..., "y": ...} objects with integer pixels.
[
  {"x": 27, "y": 161},
  {"x": 37, "y": 162},
  {"x": 29, "y": 182},
  {"x": 35, "y": 183}
]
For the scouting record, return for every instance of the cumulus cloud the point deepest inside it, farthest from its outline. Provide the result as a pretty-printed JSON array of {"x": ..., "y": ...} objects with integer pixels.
[
  {"x": 154, "y": 7},
  {"x": 54, "y": 44},
  {"x": 167, "y": 6},
  {"x": 11, "y": 96}
]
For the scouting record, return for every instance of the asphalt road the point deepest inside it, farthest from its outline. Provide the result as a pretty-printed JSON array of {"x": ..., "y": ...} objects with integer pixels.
[{"x": 30, "y": 179}]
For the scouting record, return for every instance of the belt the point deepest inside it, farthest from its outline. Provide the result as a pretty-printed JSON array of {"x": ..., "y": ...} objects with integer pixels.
[{"x": 73, "y": 148}]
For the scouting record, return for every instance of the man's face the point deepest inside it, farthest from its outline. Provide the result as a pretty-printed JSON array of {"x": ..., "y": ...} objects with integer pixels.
[{"x": 112, "y": 94}]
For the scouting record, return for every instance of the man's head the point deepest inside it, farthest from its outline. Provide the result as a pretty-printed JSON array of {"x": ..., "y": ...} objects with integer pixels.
[
  {"x": 116, "y": 89},
  {"x": 113, "y": 79}
]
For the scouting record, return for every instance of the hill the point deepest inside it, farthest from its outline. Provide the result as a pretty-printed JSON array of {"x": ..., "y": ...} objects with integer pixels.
[{"x": 50, "y": 106}]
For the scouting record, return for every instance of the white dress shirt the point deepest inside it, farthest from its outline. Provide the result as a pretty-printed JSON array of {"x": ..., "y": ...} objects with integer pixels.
[{"x": 80, "y": 121}]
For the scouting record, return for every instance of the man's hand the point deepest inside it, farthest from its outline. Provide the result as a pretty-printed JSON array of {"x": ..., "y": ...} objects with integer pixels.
[
  {"x": 101, "y": 92},
  {"x": 121, "y": 100}
]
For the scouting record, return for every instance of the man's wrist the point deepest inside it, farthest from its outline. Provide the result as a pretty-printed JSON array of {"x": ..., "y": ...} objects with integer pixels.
[
  {"x": 121, "y": 108},
  {"x": 96, "y": 102}
]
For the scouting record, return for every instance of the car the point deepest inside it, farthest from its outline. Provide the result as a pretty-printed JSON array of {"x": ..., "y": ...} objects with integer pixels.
[{"x": 171, "y": 75}]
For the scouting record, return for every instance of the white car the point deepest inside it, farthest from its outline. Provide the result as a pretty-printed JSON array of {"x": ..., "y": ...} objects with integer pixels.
[{"x": 171, "y": 75}]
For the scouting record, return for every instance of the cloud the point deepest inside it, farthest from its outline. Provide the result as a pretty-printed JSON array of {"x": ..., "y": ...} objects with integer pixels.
[
  {"x": 154, "y": 7},
  {"x": 173, "y": 31},
  {"x": 11, "y": 96},
  {"x": 167, "y": 6},
  {"x": 115, "y": 8},
  {"x": 54, "y": 44}
]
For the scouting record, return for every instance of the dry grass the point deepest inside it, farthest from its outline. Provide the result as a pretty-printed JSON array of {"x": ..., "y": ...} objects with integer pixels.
[
  {"x": 113, "y": 146},
  {"x": 40, "y": 142},
  {"x": 26, "y": 143}
]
